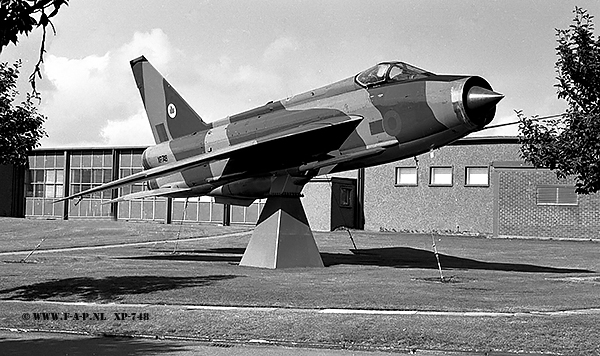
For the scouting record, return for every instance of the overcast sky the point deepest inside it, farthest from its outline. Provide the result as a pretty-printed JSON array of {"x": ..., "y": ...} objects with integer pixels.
[{"x": 228, "y": 56}]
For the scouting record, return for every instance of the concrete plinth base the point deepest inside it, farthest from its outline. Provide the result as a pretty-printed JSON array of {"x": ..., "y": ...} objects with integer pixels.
[{"x": 282, "y": 237}]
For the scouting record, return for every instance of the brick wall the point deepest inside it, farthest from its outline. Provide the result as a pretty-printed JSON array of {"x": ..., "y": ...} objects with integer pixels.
[
  {"x": 425, "y": 208},
  {"x": 508, "y": 207},
  {"x": 519, "y": 214},
  {"x": 317, "y": 204}
]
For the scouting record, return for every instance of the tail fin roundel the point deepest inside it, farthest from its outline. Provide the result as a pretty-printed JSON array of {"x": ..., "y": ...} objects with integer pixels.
[{"x": 170, "y": 116}]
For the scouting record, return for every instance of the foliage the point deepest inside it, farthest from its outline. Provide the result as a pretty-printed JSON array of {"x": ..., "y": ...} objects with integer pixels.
[
  {"x": 570, "y": 145},
  {"x": 20, "y": 125},
  {"x": 20, "y": 17}
]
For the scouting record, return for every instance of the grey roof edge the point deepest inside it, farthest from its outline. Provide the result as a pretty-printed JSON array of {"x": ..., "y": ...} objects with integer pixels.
[
  {"x": 466, "y": 141},
  {"x": 512, "y": 164},
  {"x": 91, "y": 148}
]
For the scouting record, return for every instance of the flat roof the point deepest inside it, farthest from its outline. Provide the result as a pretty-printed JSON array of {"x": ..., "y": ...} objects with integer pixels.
[
  {"x": 485, "y": 140},
  {"x": 91, "y": 148}
]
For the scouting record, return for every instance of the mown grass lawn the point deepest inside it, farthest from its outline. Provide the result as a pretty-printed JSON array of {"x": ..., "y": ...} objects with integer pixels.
[{"x": 387, "y": 271}]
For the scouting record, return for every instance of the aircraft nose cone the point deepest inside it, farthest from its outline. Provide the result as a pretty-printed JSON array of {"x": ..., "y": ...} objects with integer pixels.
[{"x": 479, "y": 98}]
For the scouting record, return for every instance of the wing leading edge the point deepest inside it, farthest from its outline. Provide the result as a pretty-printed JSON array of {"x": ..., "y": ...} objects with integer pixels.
[
  {"x": 204, "y": 158},
  {"x": 149, "y": 193}
]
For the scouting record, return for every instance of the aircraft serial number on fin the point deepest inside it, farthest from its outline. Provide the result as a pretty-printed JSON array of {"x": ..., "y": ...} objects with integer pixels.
[{"x": 163, "y": 159}]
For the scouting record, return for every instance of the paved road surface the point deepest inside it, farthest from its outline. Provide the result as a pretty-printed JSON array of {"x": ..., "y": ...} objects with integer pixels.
[{"x": 55, "y": 344}]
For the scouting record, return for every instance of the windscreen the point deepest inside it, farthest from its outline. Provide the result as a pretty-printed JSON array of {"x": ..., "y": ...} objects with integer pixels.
[{"x": 390, "y": 72}]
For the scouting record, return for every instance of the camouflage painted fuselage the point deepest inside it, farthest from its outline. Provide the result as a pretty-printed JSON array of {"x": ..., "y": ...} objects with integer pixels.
[
  {"x": 385, "y": 113},
  {"x": 388, "y": 119}
]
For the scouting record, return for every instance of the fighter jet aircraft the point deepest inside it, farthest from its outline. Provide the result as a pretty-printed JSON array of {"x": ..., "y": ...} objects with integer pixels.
[{"x": 388, "y": 112}]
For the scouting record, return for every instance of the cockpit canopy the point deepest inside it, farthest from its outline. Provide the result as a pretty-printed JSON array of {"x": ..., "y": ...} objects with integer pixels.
[{"x": 390, "y": 72}]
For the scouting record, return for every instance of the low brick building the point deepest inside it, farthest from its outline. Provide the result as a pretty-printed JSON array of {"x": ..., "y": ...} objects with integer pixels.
[
  {"x": 475, "y": 186},
  {"x": 478, "y": 186},
  {"x": 330, "y": 202},
  {"x": 533, "y": 202}
]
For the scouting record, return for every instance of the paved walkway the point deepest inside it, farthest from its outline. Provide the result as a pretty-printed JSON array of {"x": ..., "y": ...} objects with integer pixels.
[{"x": 19, "y": 343}]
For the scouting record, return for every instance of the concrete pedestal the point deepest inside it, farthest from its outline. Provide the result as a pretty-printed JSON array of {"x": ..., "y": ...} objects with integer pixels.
[{"x": 282, "y": 237}]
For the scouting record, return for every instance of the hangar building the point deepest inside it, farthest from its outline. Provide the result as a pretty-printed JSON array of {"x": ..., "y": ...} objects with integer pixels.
[{"x": 473, "y": 186}]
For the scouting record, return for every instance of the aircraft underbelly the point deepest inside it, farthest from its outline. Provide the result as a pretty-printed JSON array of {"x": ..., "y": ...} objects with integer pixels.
[{"x": 404, "y": 150}]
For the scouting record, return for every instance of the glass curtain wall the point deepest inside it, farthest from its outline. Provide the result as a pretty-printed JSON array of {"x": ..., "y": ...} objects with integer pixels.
[
  {"x": 44, "y": 182},
  {"x": 90, "y": 169},
  {"x": 148, "y": 209},
  {"x": 51, "y": 171}
]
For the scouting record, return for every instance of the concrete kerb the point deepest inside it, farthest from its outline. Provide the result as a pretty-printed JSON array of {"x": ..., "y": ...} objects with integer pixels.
[
  {"x": 126, "y": 244},
  {"x": 488, "y": 314}
]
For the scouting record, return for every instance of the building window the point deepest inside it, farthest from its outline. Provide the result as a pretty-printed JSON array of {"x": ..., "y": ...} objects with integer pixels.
[
  {"x": 556, "y": 195},
  {"x": 346, "y": 197},
  {"x": 131, "y": 163},
  {"x": 149, "y": 208},
  {"x": 440, "y": 176},
  {"x": 91, "y": 169},
  {"x": 46, "y": 175},
  {"x": 406, "y": 176},
  {"x": 477, "y": 177}
]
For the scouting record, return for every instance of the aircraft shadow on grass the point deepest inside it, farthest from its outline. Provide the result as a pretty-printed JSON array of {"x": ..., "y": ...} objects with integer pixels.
[
  {"x": 399, "y": 257},
  {"x": 107, "y": 288},
  {"x": 407, "y": 257},
  {"x": 85, "y": 346}
]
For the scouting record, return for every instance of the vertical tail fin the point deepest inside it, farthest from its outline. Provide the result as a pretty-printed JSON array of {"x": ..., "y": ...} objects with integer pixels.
[{"x": 170, "y": 116}]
